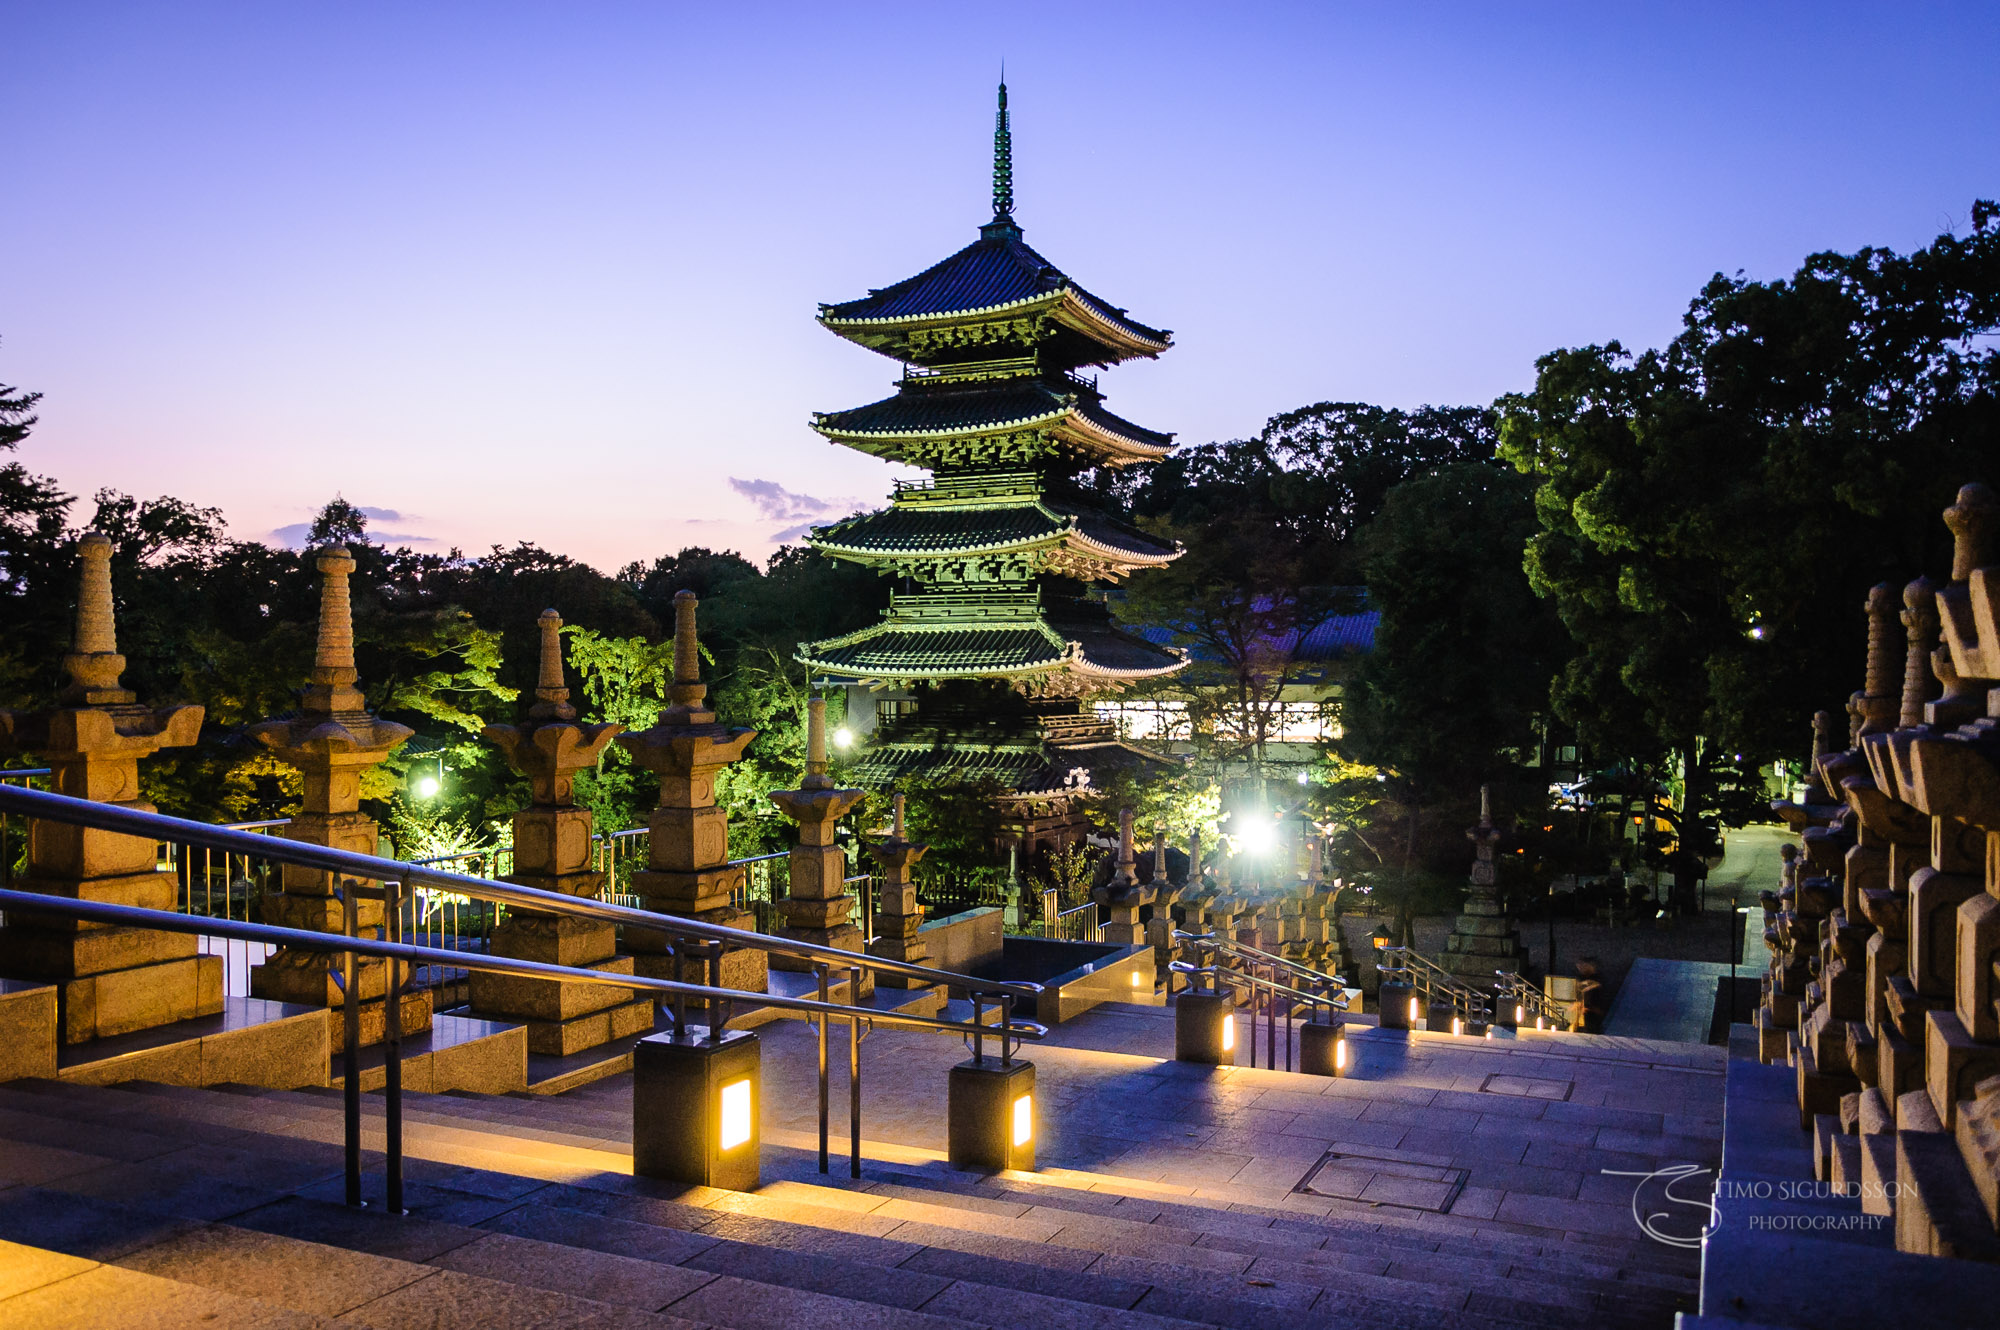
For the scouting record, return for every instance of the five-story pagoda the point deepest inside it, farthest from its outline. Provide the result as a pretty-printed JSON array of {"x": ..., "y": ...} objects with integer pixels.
[{"x": 995, "y": 628}]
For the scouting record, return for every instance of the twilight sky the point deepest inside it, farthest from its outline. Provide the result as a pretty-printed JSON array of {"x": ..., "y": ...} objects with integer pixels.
[{"x": 548, "y": 272}]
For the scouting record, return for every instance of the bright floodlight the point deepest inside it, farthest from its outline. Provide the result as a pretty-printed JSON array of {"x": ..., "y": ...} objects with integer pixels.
[
  {"x": 843, "y": 738},
  {"x": 1304, "y": 779},
  {"x": 1257, "y": 834},
  {"x": 427, "y": 786}
]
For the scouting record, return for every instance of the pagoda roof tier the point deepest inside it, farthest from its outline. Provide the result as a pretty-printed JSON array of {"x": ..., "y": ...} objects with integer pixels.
[
  {"x": 1051, "y": 536},
  {"x": 923, "y": 426},
  {"x": 1005, "y": 635},
  {"x": 995, "y": 290}
]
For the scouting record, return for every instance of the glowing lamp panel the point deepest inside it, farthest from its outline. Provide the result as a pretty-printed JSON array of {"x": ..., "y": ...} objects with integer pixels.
[
  {"x": 1024, "y": 1119},
  {"x": 735, "y": 1114},
  {"x": 1228, "y": 1033}
]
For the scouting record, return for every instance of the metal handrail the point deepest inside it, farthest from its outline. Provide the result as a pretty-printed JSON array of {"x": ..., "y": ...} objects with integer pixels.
[
  {"x": 1250, "y": 959},
  {"x": 1431, "y": 979},
  {"x": 158, "y": 826},
  {"x": 1262, "y": 957},
  {"x": 714, "y": 996},
  {"x": 1528, "y": 997}
]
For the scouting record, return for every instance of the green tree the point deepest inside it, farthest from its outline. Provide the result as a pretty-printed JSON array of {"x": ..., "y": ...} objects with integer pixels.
[{"x": 1712, "y": 513}]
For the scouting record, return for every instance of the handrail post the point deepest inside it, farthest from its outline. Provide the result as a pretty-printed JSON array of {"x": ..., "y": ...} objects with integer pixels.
[
  {"x": 854, "y": 1072},
  {"x": 714, "y": 1003},
  {"x": 1006, "y": 1029},
  {"x": 978, "y": 1031},
  {"x": 821, "y": 967},
  {"x": 350, "y": 1019},
  {"x": 392, "y": 1053},
  {"x": 1271, "y": 1022}
]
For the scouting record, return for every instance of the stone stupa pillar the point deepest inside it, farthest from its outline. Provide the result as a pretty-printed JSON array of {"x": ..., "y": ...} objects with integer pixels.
[
  {"x": 687, "y": 861},
  {"x": 1484, "y": 939},
  {"x": 1122, "y": 896},
  {"x": 109, "y": 980},
  {"x": 818, "y": 907},
  {"x": 330, "y": 742},
  {"x": 898, "y": 916},
  {"x": 552, "y": 851}
]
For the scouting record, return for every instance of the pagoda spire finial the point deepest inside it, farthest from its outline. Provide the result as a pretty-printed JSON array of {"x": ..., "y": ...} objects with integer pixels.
[{"x": 1003, "y": 157}]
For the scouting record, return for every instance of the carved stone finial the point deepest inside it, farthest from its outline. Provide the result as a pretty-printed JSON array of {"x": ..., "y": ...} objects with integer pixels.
[
  {"x": 816, "y": 777},
  {"x": 332, "y": 688},
  {"x": 551, "y": 697},
  {"x": 1126, "y": 860},
  {"x": 688, "y": 689},
  {"x": 1826, "y": 736},
  {"x": 1879, "y": 700},
  {"x": 1974, "y": 521},
  {"x": 1160, "y": 852},
  {"x": 334, "y": 660},
  {"x": 1485, "y": 808},
  {"x": 93, "y": 663},
  {"x": 896, "y": 826},
  {"x": 1920, "y": 630}
]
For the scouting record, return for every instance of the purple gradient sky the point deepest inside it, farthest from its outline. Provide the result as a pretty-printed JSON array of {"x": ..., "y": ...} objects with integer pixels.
[{"x": 549, "y": 272}]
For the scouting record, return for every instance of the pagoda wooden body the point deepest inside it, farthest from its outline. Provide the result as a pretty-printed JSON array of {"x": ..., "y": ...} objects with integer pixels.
[{"x": 1000, "y": 549}]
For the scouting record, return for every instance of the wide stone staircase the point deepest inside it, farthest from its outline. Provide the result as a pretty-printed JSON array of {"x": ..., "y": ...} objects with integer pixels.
[{"x": 149, "y": 1205}]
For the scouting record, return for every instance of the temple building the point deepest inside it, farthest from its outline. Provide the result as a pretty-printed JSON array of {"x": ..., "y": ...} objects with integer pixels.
[{"x": 989, "y": 653}]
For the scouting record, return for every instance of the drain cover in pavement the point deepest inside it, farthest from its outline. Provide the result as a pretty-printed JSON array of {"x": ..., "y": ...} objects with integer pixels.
[
  {"x": 1526, "y": 1087},
  {"x": 1384, "y": 1180}
]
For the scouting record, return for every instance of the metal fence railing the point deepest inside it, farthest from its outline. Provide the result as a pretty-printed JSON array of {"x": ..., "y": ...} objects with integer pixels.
[
  {"x": 227, "y": 885},
  {"x": 13, "y": 834},
  {"x": 1079, "y": 923}
]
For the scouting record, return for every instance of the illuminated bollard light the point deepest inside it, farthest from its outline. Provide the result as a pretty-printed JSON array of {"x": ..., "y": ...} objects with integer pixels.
[
  {"x": 990, "y": 1115},
  {"x": 1398, "y": 1007},
  {"x": 695, "y": 1108},
  {"x": 1323, "y": 1049},
  {"x": 1205, "y": 1028}
]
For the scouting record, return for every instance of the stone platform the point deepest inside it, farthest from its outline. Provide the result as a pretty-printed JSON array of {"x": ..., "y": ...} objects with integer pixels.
[{"x": 250, "y": 1042}]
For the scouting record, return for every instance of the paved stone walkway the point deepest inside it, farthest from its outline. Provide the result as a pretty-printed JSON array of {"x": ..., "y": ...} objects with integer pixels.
[
  {"x": 1662, "y": 999},
  {"x": 1520, "y": 1131}
]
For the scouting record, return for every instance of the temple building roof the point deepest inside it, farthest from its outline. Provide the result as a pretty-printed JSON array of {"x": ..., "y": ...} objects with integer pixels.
[
  {"x": 1027, "y": 771},
  {"x": 996, "y": 276},
  {"x": 887, "y": 428}
]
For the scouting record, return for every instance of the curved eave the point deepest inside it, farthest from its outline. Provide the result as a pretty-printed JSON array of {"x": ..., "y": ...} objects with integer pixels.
[
  {"x": 1072, "y": 537},
  {"x": 1069, "y": 424},
  {"x": 1082, "y": 314},
  {"x": 1071, "y": 661}
]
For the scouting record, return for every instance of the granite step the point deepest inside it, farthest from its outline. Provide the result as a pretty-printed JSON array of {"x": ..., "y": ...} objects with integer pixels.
[
  {"x": 1518, "y": 1272},
  {"x": 1252, "y": 1236},
  {"x": 1214, "y": 1289},
  {"x": 1490, "y": 1238},
  {"x": 1498, "y": 1238},
  {"x": 44, "y": 1289}
]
